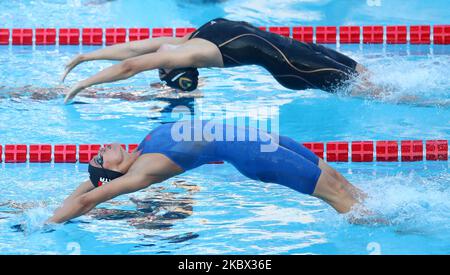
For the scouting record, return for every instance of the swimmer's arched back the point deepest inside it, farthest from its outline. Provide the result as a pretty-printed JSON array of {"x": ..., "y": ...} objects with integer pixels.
[{"x": 225, "y": 43}]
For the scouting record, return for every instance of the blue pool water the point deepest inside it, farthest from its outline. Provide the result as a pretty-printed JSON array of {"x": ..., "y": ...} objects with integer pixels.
[{"x": 214, "y": 209}]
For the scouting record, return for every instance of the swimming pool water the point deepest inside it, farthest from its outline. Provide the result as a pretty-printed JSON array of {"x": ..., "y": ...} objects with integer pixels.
[{"x": 214, "y": 209}]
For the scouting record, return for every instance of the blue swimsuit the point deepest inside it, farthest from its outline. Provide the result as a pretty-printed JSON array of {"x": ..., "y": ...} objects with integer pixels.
[{"x": 288, "y": 162}]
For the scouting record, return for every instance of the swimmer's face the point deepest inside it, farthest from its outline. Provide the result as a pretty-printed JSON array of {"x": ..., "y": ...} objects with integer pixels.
[{"x": 111, "y": 157}]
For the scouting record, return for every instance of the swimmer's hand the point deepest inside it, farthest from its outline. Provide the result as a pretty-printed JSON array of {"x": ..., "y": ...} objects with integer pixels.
[
  {"x": 73, "y": 92},
  {"x": 72, "y": 64}
]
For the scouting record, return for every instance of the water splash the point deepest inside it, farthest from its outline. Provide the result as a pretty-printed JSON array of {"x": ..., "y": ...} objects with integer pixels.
[
  {"x": 409, "y": 202},
  {"x": 421, "y": 80},
  {"x": 33, "y": 221}
]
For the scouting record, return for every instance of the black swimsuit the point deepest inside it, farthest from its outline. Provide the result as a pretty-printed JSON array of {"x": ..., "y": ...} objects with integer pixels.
[{"x": 294, "y": 64}]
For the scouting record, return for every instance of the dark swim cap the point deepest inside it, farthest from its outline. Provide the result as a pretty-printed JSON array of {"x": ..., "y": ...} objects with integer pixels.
[
  {"x": 100, "y": 176},
  {"x": 185, "y": 79}
]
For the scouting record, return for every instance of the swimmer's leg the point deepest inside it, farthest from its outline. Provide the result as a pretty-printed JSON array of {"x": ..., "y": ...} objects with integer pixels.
[
  {"x": 357, "y": 193},
  {"x": 292, "y": 170},
  {"x": 298, "y": 148},
  {"x": 364, "y": 86},
  {"x": 335, "y": 193}
]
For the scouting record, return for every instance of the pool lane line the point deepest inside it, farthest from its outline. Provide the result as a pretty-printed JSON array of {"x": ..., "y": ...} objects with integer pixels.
[
  {"x": 332, "y": 151},
  {"x": 373, "y": 34}
]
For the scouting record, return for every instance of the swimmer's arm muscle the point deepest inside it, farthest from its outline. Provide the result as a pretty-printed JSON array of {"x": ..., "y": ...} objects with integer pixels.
[
  {"x": 82, "y": 189},
  {"x": 131, "y": 49},
  {"x": 135, "y": 65},
  {"x": 122, "y": 51},
  {"x": 84, "y": 203}
]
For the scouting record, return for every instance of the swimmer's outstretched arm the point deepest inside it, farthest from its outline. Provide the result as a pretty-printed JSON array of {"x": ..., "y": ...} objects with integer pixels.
[
  {"x": 135, "y": 65},
  {"x": 123, "y": 51},
  {"x": 147, "y": 170},
  {"x": 82, "y": 189},
  {"x": 79, "y": 204}
]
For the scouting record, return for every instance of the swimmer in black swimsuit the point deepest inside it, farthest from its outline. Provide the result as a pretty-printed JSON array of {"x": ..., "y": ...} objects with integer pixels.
[
  {"x": 225, "y": 43},
  {"x": 294, "y": 64}
]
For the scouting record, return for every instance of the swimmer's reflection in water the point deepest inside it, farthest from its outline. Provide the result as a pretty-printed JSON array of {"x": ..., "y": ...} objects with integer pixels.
[
  {"x": 138, "y": 93},
  {"x": 163, "y": 93},
  {"x": 159, "y": 210},
  {"x": 172, "y": 97}
]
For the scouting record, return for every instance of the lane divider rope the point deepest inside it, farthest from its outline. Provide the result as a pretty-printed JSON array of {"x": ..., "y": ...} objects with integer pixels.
[
  {"x": 334, "y": 151},
  {"x": 378, "y": 34}
]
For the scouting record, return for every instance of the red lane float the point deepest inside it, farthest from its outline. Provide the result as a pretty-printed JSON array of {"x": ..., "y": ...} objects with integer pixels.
[
  {"x": 437, "y": 149},
  {"x": 162, "y": 32},
  {"x": 87, "y": 151},
  {"x": 412, "y": 150},
  {"x": 396, "y": 35},
  {"x": 441, "y": 34},
  {"x": 284, "y": 31},
  {"x": 303, "y": 34},
  {"x": 138, "y": 34},
  {"x": 15, "y": 153},
  {"x": 92, "y": 36},
  {"x": 65, "y": 153},
  {"x": 40, "y": 153},
  {"x": 373, "y": 34},
  {"x": 337, "y": 151},
  {"x": 45, "y": 37},
  {"x": 22, "y": 37},
  {"x": 419, "y": 34},
  {"x": 131, "y": 147},
  {"x": 362, "y": 151},
  {"x": 318, "y": 148},
  {"x": 326, "y": 34},
  {"x": 350, "y": 34},
  {"x": 181, "y": 32},
  {"x": 4, "y": 36},
  {"x": 69, "y": 36},
  {"x": 1, "y": 153},
  {"x": 115, "y": 36},
  {"x": 387, "y": 150}
]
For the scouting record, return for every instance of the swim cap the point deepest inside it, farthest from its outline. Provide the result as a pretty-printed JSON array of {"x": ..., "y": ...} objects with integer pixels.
[
  {"x": 185, "y": 79},
  {"x": 100, "y": 176}
]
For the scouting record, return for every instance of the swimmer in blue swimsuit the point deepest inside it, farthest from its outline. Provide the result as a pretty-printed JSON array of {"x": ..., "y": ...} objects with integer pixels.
[
  {"x": 223, "y": 43},
  {"x": 174, "y": 148}
]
